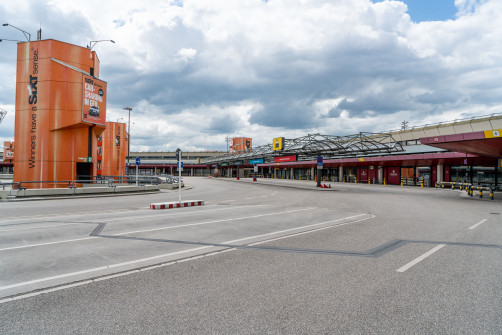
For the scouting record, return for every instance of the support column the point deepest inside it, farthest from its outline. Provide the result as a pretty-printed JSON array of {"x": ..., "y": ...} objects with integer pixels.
[
  {"x": 340, "y": 173},
  {"x": 275, "y": 173},
  {"x": 439, "y": 173},
  {"x": 292, "y": 173},
  {"x": 380, "y": 174},
  {"x": 312, "y": 173}
]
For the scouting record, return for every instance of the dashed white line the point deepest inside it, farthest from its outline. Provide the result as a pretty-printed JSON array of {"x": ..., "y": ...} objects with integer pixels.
[
  {"x": 421, "y": 258},
  {"x": 477, "y": 224}
]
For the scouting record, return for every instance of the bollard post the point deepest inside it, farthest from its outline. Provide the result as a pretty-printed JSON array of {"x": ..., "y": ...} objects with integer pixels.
[
  {"x": 384, "y": 182},
  {"x": 472, "y": 191},
  {"x": 401, "y": 181},
  {"x": 452, "y": 186},
  {"x": 369, "y": 180},
  {"x": 344, "y": 179},
  {"x": 480, "y": 192},
  {"x": 355, "y": 180},
  {"x": 422, "y": 184},
  {"x": 491, "y": 194}
]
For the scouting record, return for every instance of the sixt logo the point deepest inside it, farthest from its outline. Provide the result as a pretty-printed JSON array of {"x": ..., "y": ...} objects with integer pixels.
[
  {"x": 32, "y": 89},
  {"x": 89, "y": 81}
]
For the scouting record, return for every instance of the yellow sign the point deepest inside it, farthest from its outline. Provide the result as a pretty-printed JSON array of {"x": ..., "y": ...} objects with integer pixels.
[
  {"x": 493, "y": 133},
  {"x": 198, "y": 160},
  {"x": 361, "y": 159},
  {"x": 278, "y": 143}
]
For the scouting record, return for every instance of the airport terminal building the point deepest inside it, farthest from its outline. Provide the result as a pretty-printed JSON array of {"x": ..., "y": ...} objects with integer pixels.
[{"x": 467, "y": 150}]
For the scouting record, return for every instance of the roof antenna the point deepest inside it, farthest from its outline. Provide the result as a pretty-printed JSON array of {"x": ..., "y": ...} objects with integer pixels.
[{"x": 39, "y": 33}]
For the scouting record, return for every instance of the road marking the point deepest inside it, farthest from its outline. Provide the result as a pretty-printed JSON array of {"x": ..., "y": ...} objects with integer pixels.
[
  {"x": 158, "y": 214},
  {"x": 47, "y": 226},
  {"x": 479, "y": 223},
  {"x": 421, "y": 258},
  {"x": 215, "y": 221},
  {"x": 298, "y": 228},
  {"x": 48, "y": 243},
  {"x": 317, "y": 229},
  {"x": 84, "y": 282},
  {"x": 98, "y": 268}
]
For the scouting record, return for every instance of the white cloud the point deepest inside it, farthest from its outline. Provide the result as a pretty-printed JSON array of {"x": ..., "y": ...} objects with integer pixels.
[{"x": 199, "y": 70}]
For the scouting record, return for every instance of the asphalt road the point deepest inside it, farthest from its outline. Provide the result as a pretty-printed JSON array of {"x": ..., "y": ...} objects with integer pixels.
[{"x": 256, "y": 258}]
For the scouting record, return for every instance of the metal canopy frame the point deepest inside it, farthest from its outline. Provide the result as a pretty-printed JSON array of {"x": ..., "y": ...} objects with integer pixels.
[{"x": 313, "y": 145}]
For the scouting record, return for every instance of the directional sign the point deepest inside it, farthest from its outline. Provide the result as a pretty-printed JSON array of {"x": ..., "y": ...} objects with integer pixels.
[
  {"x": 138, "y": 161},
  {"x": 178, "y": 165},
  {"x": 319, "y": 162}
]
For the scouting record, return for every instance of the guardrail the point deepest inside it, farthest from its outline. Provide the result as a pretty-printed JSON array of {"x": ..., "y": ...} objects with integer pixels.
[
  {"x": 469, "y": 188},
  {"x": 109, "y": 180}
]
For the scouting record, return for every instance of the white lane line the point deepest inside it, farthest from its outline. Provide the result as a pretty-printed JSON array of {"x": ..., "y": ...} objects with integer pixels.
[
  {"x": 214, "y": 221},
  {"x": 154, "y": 229},
  {"x": 48, "y": 243},
  {"x": 317, "y": 229},
  {"x": 303, "y": 227},
  {"x": 111, "y": 266},
  {"x": 421, "y": 258},
  {"x": 107, "y": 220},
  {"x": 479, "y": 223},
  {"x": 47, "y": 226},
  {"x": 98, "y": 268}
]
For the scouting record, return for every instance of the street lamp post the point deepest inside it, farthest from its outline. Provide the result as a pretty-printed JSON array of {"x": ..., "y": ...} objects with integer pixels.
[
  {"x": 93, "y": 43},
  {"x": 128, "y": 134},
  {"x": 26, "y": 34},
  {"x": 4, "y": 39}
]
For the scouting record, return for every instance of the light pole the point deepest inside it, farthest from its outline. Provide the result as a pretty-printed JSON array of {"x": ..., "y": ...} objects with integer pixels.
[
  {"x": 4, "y": 39},
  {"x": 93, "y": 43},
  {"x": 128, "y": 134},
  {"x": 26, "y": 34}
]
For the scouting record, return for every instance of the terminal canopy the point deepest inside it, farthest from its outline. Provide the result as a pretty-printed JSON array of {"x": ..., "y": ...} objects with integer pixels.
[{"x": 313, "y": 145}]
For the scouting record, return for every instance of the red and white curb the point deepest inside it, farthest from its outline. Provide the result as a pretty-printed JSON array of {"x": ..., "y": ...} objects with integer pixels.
[{"x": 177, "y": 204}]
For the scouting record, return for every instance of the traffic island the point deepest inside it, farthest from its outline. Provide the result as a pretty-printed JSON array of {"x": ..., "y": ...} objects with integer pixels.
[{"x": 177, "y": 204}]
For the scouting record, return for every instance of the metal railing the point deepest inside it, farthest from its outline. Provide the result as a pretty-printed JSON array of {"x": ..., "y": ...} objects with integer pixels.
[
  {"x": 469, "y": 188},
  {"x": 110, "y": 181}
]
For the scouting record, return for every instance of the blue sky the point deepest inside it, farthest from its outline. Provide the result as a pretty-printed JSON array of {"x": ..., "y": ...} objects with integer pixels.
[
  {"x": 430, "y": 10},
  {"x": 197, "y": 71}
]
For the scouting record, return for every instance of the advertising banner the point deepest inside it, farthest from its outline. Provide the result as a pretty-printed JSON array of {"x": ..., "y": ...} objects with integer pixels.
[
  {"x": 93, "y": 100},
  {"x": 285, "y": 159},
  {"x": 256, "y": 161},
  {"x": 278, "y": 143}
]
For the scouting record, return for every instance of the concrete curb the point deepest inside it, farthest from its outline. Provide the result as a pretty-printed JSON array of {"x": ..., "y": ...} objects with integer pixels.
[
  {"x": 176, "y": 204},
  {"x": 76, "y": 191}
]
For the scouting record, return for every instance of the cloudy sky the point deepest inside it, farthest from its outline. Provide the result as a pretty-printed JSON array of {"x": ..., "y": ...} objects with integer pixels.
[{"x": 197, "y": 71}]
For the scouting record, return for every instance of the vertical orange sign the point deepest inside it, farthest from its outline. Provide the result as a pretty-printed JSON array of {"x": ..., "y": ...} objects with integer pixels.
[{"x": 93, "y": 100}]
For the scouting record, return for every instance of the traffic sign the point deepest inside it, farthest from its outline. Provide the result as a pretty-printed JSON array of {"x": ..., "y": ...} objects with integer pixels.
[
  {"x": 319, "y": 162},
  {"x": 138, "y": 161},
  {"x": 178, "y": 165}
]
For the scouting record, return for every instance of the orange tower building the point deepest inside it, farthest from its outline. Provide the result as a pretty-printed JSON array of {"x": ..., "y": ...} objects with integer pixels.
[
  {"x": 240, "y": 144},
  {"x": 8, "y": 152},
  {"x": 114, "y": 149},
  {"x": 60, "y": 113}
]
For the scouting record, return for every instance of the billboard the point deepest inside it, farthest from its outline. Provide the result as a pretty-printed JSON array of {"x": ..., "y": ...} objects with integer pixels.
[
  {"x": 285, "y": 159},
  {"x": 93, "y": 100},
  {"x": 278, "y": 143}
]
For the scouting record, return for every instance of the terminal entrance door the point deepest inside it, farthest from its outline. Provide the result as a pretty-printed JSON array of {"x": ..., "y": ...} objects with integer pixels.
[{"x": 84, "y": 171}]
